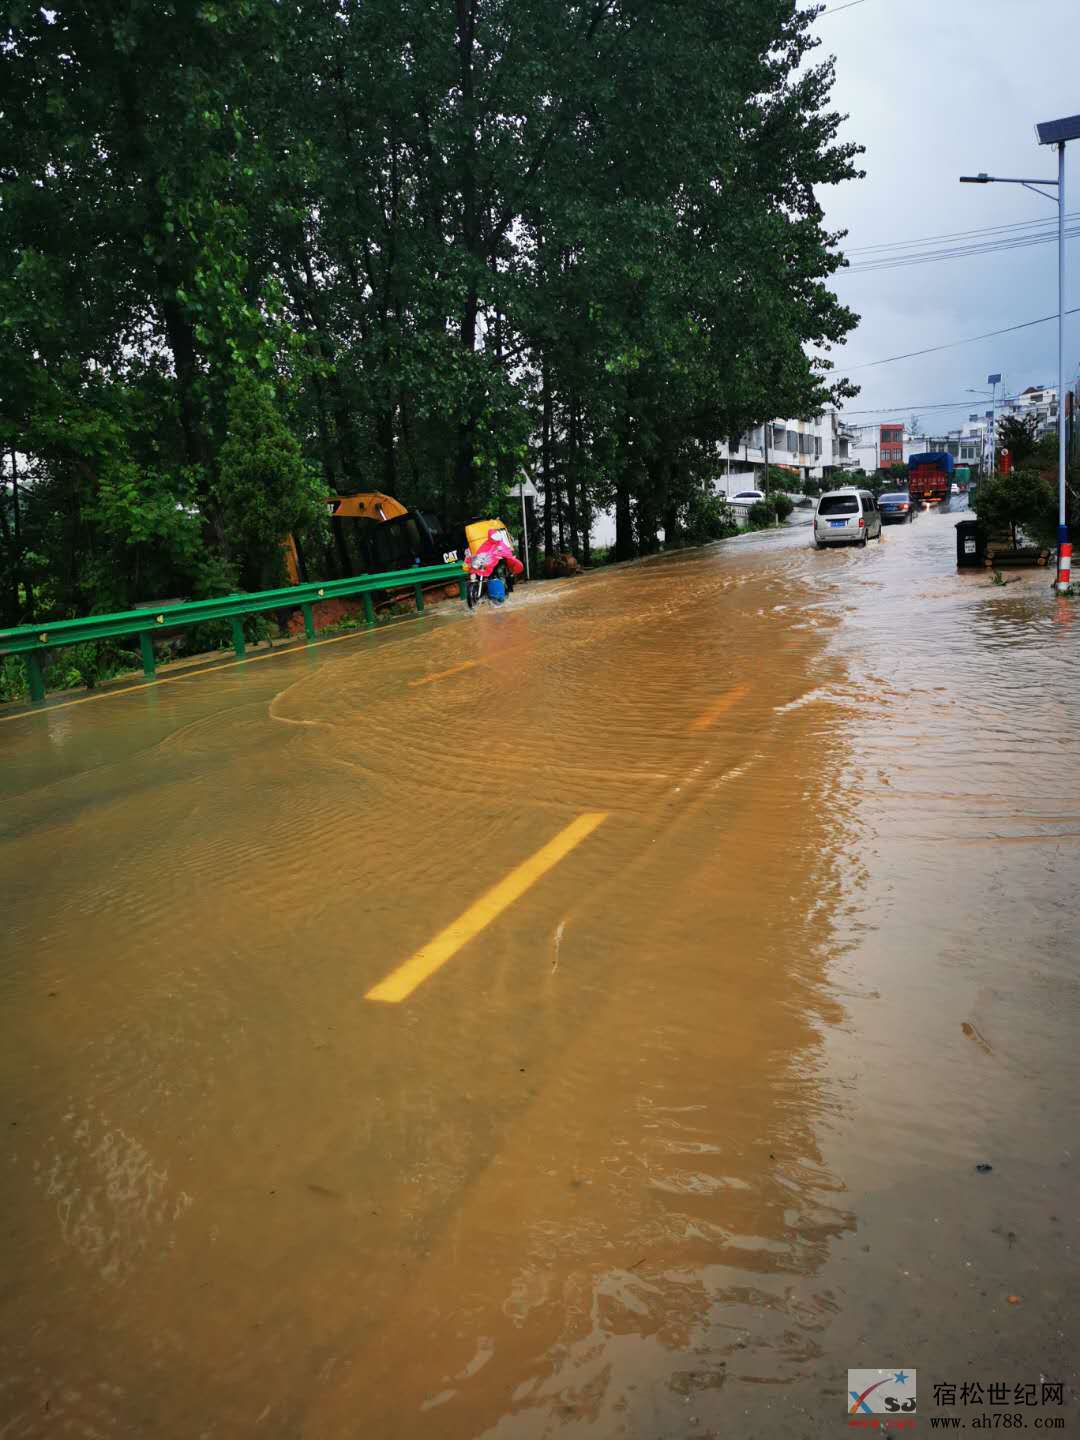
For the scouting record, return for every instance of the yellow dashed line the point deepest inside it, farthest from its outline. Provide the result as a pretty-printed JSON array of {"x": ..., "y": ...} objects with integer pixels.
[
  {"x": 718, "y": 707},
  {"x": 442, "y": 674},
  {"x": 401, "y": 983}
]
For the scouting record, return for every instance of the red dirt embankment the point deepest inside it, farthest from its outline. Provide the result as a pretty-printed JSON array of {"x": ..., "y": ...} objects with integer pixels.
[{"x": 329, "y": 613}]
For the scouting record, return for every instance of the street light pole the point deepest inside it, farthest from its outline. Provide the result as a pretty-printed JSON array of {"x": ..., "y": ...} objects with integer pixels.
[
  {"x": 993, "y": 381},
  {"x": 1058, "y": 133},
  {"x": 1064, "y": 545}
]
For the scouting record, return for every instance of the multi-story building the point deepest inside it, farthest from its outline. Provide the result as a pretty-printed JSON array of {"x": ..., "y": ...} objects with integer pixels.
[
  {"x": 965, "y": 445},
  {"x": 879, "y": 446},
  {"x": 810, "y": 449},
  {"x": 1037, "y": 401},
  {"x": 891, "y": 445}
]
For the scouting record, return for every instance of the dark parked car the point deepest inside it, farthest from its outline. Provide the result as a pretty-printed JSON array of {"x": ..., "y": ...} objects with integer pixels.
[{"x": 897, "y": 506}]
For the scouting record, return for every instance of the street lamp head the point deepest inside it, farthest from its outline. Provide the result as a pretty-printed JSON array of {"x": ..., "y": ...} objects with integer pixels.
[
  {"x": 1057, "y": 132},
  {"x": 981, "y": 179}
]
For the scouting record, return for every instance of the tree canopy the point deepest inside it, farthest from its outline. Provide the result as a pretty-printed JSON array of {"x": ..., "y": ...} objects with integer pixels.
[{"x": 253, "y": 252}]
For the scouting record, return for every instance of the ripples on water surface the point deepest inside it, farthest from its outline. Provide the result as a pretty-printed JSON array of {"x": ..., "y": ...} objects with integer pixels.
[{"x": 685, "y": 1134}]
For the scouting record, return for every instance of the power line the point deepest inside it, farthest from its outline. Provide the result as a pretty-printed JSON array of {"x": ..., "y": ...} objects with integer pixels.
[
  {"x": 951, "y": 344},
  {"x": 956, "y": 235},
  {"x": 913, "y": 409},
  {"x": 834, "y": 8},
  {"x": 960, "y": 252}
]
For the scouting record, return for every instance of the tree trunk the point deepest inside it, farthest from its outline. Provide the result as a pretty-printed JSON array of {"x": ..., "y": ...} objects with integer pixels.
[
  {"x": 545, "y": 463},
  {"x": 670, "y": 512},
  {"x": 181, "y": 338},
  {"x": 648, "y": 506},
  {"x": 329, "y": 453},
  {"x": 343, "y": 465},
  {"x": 572, "y": 477},
  {"x": 472, "y": 237},
  {"x": 624, "y": 526},
  {"x": 12, "y": 543},
  {"x": 24, "y": 608},
  {"x": 387, "y": 444}
]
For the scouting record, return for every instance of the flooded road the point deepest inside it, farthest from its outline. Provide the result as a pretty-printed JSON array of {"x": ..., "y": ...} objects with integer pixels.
[{"x": 583, "y": 1018}]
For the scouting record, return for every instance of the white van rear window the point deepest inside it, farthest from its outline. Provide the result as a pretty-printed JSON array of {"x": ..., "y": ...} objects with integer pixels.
[{"x": 839, "y": 505}]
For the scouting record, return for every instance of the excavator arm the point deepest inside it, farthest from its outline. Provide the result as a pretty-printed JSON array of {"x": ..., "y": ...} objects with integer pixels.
[
  {"x": 365, "y": 505},
  {"x": 362, "y": 505}
]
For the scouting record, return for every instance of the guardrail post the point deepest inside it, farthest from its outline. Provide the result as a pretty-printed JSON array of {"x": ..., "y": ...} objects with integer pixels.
[
  {"x": 369, "y": 609},
  {"x": 146, "y": 645},
  {"x": 419, "y": 599},
  {"x": 238, "y": 635},
  {"x": 309, "y": 621},
  {"x": 35, "y": 678},
  {"x": 463, "y": 587}
]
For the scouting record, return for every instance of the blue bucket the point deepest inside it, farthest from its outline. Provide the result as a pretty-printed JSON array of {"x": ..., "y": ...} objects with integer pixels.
[{"x": 496, "y": 591}]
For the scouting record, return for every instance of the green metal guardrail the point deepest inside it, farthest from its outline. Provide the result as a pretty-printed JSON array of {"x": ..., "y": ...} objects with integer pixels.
[{"x": 30, "y": 641}]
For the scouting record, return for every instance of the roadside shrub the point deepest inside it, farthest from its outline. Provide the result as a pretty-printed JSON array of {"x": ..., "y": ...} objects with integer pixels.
[
  {"x": 782, "y": 506},
  {"x": 1022, "y": 503},
  {"x": 88, "y": 664},
  {"x": 13, "y": 684},
  {"x": 765, "y": 513},
  {"x": 708, "y": 517}
]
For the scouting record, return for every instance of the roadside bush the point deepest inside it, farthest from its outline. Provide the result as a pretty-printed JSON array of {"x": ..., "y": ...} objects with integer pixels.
[
  {"x": 782, "y": 505},
  {"x": 13, "y": 684},
  {"x": 780, "y": 479},
  {"x": 708, "y": 517},
  {"x": 88, "y": 664},
  {"x": 1022, "y": 503},
  {"x": 763, "y": 514}
]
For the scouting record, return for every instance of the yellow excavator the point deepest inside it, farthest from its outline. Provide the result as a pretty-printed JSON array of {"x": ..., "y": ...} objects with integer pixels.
[{"x": 372, "y": 533}]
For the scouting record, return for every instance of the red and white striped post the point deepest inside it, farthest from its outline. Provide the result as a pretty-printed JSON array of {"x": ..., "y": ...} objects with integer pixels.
[{"x": 1064, "y": 559}]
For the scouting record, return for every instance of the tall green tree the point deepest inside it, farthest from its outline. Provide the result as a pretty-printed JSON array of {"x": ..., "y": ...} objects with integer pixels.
[
  {"x": 399, "y": 244},
  {"x": 1018, "y": 434}
]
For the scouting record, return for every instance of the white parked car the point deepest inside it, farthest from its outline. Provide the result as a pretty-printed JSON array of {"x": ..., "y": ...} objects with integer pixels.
[
  {"x": 747, "y": 497},
  {"x": 846, "y": 515}
]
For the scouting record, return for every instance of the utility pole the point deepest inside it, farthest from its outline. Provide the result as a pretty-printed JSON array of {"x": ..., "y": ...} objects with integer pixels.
[
  {"x": 765, "y": 438},
  {"x": 994, "y": 381},
  {"x": 1064, "y": 544},
  {"x": 1056, "y": 133}
]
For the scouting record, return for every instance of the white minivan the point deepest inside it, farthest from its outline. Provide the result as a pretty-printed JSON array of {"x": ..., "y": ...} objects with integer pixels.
[{"x": 846, "y": 515}]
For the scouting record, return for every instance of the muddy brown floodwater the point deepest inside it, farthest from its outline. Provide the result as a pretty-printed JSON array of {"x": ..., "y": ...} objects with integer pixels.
[{"x": 687, "y": 1127}]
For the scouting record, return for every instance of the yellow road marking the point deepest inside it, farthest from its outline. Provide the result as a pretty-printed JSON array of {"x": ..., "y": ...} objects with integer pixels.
[
  {"x": 400, "y": 983},
  {"x": 47, "y": 709},
  {"x": 719, "y": 707},
  {"x": 442, "y": 674}
]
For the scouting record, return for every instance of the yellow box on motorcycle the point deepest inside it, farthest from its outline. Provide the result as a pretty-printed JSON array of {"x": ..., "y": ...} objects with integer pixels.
[{"x": 477, "y": 531}]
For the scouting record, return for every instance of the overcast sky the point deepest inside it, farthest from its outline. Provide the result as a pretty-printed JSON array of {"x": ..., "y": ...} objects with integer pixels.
[{"x": 935, "y": 89}]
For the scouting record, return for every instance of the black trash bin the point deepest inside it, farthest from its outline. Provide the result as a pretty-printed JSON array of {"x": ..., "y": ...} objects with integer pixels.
[{"x": 970, "y": 549}]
